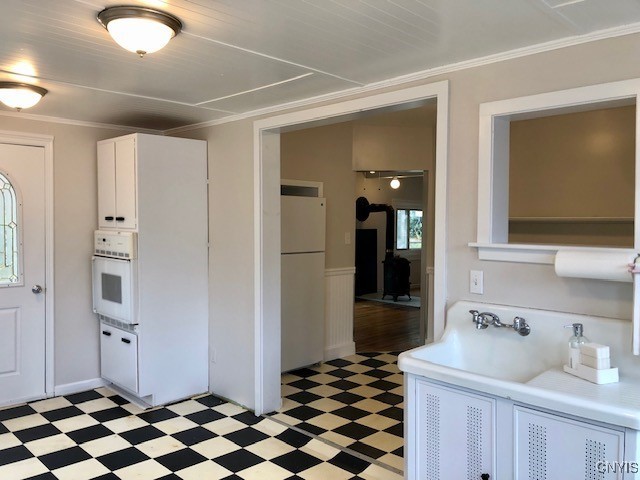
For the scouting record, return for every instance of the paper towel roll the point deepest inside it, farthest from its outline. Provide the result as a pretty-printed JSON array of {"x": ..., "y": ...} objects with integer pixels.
[{"x": 611, "y": 266}]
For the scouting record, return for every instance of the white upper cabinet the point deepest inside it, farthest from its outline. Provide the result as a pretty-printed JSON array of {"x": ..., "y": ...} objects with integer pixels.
[{"x": 117, "y": 184}]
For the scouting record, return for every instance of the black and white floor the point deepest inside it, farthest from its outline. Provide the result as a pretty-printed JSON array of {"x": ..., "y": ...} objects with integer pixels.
[
  {"x": 99, "y": 435},
  {"x": 355, "y": 403}
]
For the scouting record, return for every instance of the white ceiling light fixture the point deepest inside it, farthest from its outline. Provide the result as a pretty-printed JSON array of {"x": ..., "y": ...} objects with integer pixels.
[
  {"x": 140, "y": 30},
  {"x": 394, "y": 183},
  {"x": 20, "y": 95}
]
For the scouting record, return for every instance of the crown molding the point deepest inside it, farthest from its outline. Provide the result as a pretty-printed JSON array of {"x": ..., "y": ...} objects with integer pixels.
[{"x": 422, "y": 75}]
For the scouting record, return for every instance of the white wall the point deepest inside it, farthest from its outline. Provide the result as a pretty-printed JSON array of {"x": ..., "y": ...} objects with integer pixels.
[
  {"x": 231, "y": 267},
  {"x": 75, "y": 215}
]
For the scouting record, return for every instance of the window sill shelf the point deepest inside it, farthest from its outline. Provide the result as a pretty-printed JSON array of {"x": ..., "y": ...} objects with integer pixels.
[
  {"x": 595, "y": 220},
  {"x": 538, "y": 254}
]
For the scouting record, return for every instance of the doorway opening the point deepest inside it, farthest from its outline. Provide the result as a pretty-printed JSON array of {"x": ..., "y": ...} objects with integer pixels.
[
  {"x": 267, "y": 250},
  {"x": 391, "y": 283}
]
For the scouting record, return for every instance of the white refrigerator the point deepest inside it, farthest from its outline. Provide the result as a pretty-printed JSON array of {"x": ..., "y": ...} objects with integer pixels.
[{"x": 303, "y": 221}]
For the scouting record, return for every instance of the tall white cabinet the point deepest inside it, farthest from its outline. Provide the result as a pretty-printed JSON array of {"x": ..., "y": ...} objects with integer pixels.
[{"x": 157, "y": 187}]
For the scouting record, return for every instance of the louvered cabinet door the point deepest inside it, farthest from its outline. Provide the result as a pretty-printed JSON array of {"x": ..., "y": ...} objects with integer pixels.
[
  {"x": 551, "y": 447},
  {"x": 455, "y": 434}
]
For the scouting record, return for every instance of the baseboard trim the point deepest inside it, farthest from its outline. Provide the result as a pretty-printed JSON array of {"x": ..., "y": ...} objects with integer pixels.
[
  {"x": 76, "y": 387},
  {"x": 21, "y": 401},
  {"x": 339, "y": 351}
]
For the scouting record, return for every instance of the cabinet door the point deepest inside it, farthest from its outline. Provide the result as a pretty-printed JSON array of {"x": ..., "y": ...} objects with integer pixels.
[
  {"x": 106, "y": 185},
  {"x": 125, "y": 183},
  {"x": 550, "y": 447},
  {"x": 455, "y": 434},
  {"x": 119, "y": 357}
]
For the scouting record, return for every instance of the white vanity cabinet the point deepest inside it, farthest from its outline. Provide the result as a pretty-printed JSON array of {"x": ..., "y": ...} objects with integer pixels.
[
  {"x": 456, "y": 433},
  {"x": 553, "y": 447},
  {"x": 117, "y": 183}
]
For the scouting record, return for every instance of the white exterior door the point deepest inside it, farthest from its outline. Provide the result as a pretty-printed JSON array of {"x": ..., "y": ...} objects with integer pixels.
[{"x": 22, "y": 273}]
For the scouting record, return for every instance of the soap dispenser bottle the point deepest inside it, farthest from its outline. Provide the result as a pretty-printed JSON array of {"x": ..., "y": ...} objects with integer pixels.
[{"x": 575, "y": 341}]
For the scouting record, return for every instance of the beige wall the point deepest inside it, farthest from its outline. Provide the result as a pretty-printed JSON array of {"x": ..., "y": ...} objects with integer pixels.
[
  {"x": 323, "y": 154},
  {"x": 521, "y": 284},
  {"x": 411, "y": 190},
  {"x": 385, "y": 147},
  {"x": 77, "y": 353},
  {"x": 573, "y": 165}
]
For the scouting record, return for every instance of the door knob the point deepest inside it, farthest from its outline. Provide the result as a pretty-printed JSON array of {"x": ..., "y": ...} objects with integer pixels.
[{"x": 36, "y": 289}]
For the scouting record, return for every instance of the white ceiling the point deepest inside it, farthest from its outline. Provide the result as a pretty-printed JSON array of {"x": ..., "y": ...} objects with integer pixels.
[{"x": 238, "y": 56}]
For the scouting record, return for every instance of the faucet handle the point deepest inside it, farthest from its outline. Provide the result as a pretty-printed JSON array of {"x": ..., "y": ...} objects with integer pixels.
[
  {"x": 520, "y": 325},
  {"x": 475, "y": 314}
]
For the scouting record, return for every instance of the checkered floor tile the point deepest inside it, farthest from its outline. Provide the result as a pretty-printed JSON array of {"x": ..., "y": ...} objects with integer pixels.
[
  {"x": 99, "y": 435},
  {"x": 355, "y": 402}
]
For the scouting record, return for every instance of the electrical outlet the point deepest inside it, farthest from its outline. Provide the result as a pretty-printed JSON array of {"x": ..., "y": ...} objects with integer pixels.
[
  {"x": 476, "y": 282},
  {"x": 347, "y": 238},
  {"x": 214, "y": 355}
]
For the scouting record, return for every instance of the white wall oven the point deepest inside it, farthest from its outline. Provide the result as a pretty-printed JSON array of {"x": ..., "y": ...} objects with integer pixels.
[{"x": 114, "y": 270}]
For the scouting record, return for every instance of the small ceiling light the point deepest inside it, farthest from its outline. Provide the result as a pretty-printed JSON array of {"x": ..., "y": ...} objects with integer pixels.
[
  {"x": 395, "y": 183},
  {"x": 139, "y": 29},
  {"x": 20, "y": 95}
]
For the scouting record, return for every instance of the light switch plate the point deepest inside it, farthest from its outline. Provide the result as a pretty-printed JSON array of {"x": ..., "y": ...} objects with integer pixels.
[{"x": 476, "y": 282}]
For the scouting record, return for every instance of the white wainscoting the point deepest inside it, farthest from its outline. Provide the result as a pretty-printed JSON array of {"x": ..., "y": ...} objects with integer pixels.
[{"x": 338, "y": 313}]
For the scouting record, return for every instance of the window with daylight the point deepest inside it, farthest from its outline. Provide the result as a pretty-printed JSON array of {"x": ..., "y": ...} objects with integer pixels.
[
  {"x": 9, "y": 233},
  {"x": 408, "y": 229}
]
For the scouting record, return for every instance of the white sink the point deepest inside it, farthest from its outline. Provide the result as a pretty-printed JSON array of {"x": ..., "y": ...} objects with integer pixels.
[{"x": 500, "y": 362}]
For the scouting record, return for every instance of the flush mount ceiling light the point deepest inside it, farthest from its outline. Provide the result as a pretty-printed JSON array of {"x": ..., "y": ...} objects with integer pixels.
[
  {"x": 394, "y": 183},
  {"x": 20, "y": 95},
  {"x": 139, "y": 29}
]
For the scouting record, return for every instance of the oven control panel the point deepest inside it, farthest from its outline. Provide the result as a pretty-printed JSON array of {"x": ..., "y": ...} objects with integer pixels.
[{"x": 115, "y": 244}]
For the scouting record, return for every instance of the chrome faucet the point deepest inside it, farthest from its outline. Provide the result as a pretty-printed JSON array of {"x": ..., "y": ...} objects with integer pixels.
[
  {"x": 484, "y": 319},
  {"x": 478, "y": 319},
  {"x": 521, "y": 326}
]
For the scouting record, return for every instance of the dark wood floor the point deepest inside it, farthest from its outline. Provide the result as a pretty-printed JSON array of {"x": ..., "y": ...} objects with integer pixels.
[{"x": 381, "y": 327}]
